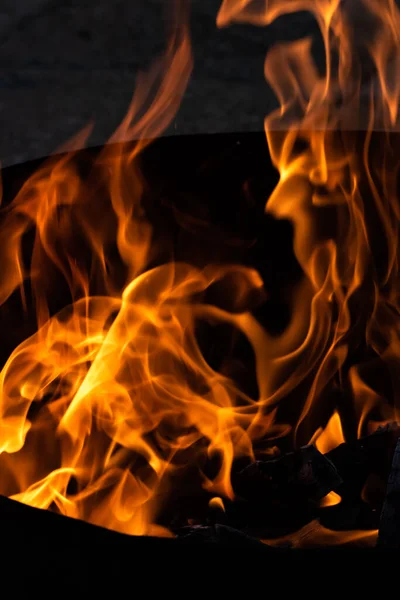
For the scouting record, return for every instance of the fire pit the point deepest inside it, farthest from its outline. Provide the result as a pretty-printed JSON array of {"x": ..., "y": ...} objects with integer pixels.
[{"x": 200, "y": 334}]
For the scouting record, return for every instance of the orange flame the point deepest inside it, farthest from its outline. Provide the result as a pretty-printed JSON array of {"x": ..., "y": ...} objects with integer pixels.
[
  {"x": 331, "y": 499},
  {"x": 99, "y": 404},
  {"x": 315, "y": 535},
  {"x": 330, "y": 437},
  {"x": 217, "y": 503}
]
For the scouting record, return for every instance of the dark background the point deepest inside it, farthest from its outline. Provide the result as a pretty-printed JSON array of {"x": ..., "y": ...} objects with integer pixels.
[{"x": 65, "y": 62}]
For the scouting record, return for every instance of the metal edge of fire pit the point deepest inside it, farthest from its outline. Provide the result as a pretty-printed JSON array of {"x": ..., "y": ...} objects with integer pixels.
[
  {"x": 25, "y": 526},
  {"x": 47, "y": 550}
]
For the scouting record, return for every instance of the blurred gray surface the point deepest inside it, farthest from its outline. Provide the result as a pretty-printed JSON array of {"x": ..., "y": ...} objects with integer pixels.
[{"x": 65, "y": 62}]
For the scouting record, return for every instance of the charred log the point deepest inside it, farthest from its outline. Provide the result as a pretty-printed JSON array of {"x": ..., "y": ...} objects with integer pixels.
[
  {"x": 350, "y": 514},
  {"x": 306, "y": 473},
  {"x": 356, "y": 460},
  {"x": 280, "y": 495},
  {"x": 389, "y": 530},
  {"x": 218, "y": 534}
]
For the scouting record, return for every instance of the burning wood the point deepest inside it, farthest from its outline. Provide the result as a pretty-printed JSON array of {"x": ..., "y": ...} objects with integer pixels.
[
  {"x": 305, "y": 473},
  {"x": 358, "y": 459},
  {"x": 218, "y": 534},
  {"x": 274, "y": 496},
  {"x": 389, "y": 531},
  {"x": 156, "y": 374}
]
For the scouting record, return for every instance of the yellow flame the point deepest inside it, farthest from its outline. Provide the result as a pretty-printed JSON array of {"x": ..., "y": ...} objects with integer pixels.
[
  {"x": 330, "y": 499},
  {"x": 316, "y": 535},
  {"x": 217, "y": 503},
  {"x": 325, "y": 439},
  {"x": 112, "y": 394}
]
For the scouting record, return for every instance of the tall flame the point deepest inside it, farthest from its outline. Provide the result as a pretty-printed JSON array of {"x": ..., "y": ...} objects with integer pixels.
[
  {"x": 111, "y": 397},
  {"x": 344, "y": 212}
]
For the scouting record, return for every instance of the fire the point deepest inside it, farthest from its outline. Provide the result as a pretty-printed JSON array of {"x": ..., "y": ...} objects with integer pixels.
[
  {"x": 314, "y": 535},
  {"x": 330, "y": 437},
  {"x": 217, "y": 503},
  {"x": 331, "y": 499},
  {"x": 109, "y": 399}
]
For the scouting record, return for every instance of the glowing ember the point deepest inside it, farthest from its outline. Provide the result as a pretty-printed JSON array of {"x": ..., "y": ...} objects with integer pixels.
[{"x": 111, "y": 398}]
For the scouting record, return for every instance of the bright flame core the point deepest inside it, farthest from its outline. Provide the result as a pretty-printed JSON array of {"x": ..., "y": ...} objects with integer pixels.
[{"x": 99, "y": 405}]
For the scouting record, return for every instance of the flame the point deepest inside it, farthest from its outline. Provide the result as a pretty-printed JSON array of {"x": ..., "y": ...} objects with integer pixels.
[
  {"x": 315, "y": 535},
  {"x": 323, "y": 180},
  {"x": 330, "y": 437},
  {"x": 217, "y": 503},
  {"x": 110, "y": 397},
  {"x": 331, "y": 499}
]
